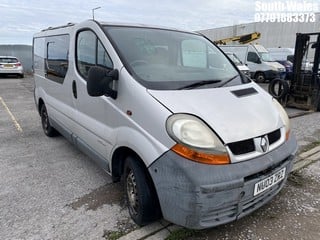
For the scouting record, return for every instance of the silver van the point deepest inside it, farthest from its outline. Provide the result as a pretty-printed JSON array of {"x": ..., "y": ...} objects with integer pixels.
[
  {"x": 193, "y": 139},
  {"x": 262, "y": 66}
]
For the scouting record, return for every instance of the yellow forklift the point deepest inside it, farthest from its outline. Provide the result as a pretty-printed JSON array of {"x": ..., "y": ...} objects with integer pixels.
[{"x": 302, "y": 91}]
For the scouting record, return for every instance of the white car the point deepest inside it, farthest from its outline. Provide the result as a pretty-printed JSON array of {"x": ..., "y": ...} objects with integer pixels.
[{"x": 10, "y": 65}]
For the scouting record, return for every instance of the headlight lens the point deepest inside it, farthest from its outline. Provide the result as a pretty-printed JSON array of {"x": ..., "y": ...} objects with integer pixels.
[
  {"x": 284, "y": 117},
  {"x": 195, "y": 140}
]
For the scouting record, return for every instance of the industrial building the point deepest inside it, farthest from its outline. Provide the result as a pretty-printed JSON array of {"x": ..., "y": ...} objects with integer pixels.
[{"x": 272, "y": 34}]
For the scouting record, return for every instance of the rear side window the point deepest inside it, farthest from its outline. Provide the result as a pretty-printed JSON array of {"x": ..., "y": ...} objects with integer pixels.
[
  {"x": 90, "y": 52},
  {"x": 39, "y": 55},
  {"x": 56, "y": 64},
  {"x": 8, "y": 60}
]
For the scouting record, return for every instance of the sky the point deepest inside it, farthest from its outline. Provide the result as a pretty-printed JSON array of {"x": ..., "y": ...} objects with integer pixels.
[{"x": 20, "y": 19}]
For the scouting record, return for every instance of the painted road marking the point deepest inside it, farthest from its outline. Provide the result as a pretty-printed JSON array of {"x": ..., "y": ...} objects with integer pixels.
[{"x": 14, "y": 120}]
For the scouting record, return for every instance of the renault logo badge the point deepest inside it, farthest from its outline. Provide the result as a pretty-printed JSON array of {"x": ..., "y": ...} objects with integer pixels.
[{"x": 264, "y": 144}]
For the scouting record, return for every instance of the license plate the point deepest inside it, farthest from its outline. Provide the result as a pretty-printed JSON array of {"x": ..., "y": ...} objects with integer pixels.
[
  {"x": 8, "y": 65},
  {"x": 268, "y": 182}
]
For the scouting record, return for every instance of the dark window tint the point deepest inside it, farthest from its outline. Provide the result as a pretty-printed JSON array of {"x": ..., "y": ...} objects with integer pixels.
[
  {"x": 90, "y": 52},
  {"x": 253, "y": 57},
  {"x": 8, "y": 60},
  {"x": 57, "y": 57}
]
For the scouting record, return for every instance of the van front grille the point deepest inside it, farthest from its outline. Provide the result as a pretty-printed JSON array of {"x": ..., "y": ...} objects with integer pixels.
[
  {"x": 242, "y": 147},
  {"x": 248, "y": 145},
  {"x": 274, "y": 136}
]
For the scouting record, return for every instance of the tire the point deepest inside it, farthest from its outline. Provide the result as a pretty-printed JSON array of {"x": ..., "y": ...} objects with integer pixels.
[
  {"x": 140, "y": 194},
  {"x": 278, "y": 88},
  {"x": 259, "y": 77},
  {"x": 47, "y": 128}
]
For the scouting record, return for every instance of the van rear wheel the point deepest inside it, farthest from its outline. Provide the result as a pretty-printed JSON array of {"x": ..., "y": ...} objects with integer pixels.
[
  {"x": 47, "y": 128},
  {"x": 140, "y": 193}
]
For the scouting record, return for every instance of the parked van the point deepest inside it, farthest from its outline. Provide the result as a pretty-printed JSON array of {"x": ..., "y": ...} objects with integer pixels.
[
  {"x": 256, "y": 57},
  {"x": 280, "y": 53},
  {"x": 194, "y": 140},
  {"x": 282, "y": 56}
]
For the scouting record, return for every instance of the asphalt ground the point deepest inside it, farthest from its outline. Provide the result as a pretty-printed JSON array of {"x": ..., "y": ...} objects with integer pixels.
[{"x": 50, "y": 190}]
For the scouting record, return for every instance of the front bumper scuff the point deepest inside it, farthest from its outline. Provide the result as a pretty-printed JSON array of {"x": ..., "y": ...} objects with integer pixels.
[{"x": 200, "y": 196}]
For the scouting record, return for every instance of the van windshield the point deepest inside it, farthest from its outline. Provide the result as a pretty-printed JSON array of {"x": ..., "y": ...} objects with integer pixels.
[
  {"x": 266, "y": 57},
  {"x": 165, "y": 59}
]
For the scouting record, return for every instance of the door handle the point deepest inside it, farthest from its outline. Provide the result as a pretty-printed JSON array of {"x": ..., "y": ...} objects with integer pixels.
[{"x": 74, "y": 89}]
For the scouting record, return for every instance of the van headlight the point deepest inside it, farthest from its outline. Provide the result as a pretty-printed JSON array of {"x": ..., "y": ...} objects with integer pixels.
[
  {"x": 195, "y": 140},
  {"x": 284, "y": 117}
]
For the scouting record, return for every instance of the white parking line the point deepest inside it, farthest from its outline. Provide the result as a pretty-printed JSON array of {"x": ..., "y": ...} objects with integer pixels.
[{"x": 14, "y": 120}]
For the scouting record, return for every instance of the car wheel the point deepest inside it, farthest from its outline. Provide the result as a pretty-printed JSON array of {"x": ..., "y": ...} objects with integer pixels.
[
  {"x": 47, "y": 128},
  {"x": 141, "y": 197},
  {"x": 21, "y": 75},
  {"x": 260, "y": 78}
]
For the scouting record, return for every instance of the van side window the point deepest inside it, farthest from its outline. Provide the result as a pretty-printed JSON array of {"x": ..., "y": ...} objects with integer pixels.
[
  {"x": 56, "y": 64},
  {"x": 39, "y": 55},
  {"x": 90, "y": 52},
  {"x": 253, "y": 57}
]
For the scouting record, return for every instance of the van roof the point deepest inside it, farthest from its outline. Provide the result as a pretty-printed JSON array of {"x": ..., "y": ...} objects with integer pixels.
[
  {"x": 122, "y": 24},
  {"x": 57, "y": 27}
]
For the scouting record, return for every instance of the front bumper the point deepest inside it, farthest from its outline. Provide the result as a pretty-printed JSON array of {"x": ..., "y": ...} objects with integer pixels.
[
  {"x": 271, "y": 74},
  {"x": 200, "y": 196}
]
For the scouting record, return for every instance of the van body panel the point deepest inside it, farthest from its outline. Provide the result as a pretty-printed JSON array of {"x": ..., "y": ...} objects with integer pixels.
[
  {"x": 224, "y": 111},
  {"x": 144, "y": 133},
  {"x": 58, "y": 101}
]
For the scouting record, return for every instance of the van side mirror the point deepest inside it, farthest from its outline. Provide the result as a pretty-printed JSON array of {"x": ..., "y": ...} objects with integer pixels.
[{"x": 100, "y": 82}]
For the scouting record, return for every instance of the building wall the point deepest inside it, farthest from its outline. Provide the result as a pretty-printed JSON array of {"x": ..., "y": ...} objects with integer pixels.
[
  {"x": 272, "y": 34},
  {"x": 22, "y": 52}
]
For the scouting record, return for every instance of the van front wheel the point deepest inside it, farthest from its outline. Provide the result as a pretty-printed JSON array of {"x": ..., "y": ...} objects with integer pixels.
[
  {"x": 260, "y": 78},
  {"x": 140, "y": 194},
  {"x": 47, "y": 128}
]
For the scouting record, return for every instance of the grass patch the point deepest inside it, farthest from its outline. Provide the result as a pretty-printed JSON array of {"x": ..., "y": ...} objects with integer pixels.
[
  {"x": 310, "y": 146},
  {"x": 123, "y": 228},
  {"x": 113, "y": 235},
  {"x": 184, "y": 234}
]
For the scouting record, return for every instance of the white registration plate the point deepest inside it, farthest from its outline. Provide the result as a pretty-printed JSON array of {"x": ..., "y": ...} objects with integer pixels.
[
  {"x": 8, "y": 66},
  {"x": 268, "y": 182}
]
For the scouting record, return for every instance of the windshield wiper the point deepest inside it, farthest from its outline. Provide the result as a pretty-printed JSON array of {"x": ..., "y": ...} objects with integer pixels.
[
  {"x": 226, "y": 82},
  {"x": 199, "y": 84}
]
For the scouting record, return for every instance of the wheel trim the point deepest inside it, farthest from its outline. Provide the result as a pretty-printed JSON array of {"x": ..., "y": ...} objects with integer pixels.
[
  {"x": 132, "y": 193},
  {"x": 260, "y": 77}
]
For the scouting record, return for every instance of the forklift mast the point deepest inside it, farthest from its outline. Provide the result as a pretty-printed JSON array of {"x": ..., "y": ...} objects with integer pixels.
[{"x": 304, "y": 87}]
